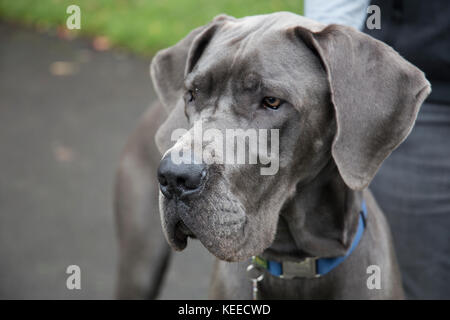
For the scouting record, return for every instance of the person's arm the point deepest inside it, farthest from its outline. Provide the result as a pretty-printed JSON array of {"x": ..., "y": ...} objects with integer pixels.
[{"x": 347, "y": 12}]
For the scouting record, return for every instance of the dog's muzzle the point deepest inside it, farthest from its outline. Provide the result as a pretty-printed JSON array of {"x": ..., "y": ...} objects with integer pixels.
[
  {"x": 193, "y": 204},
  {"x": 177, "y": 182}
]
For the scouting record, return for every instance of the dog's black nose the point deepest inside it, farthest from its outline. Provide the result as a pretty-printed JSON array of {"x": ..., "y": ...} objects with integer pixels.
[{"x": 180, "y": 179}]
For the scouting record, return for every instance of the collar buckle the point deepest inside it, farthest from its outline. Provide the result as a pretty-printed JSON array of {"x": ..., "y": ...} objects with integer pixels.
[{"x": 306, "y": 268}]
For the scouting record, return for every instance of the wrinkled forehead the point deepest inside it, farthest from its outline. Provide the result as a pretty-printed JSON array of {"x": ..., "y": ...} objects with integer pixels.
[
  {"x": 239, "y": 42},
  {"x": 255, "y": 52}
]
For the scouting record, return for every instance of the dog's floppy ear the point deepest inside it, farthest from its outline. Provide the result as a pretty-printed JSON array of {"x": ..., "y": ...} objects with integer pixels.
[
  {"x": 376, "y": 96},
  {"x": 169, "y": 66}
]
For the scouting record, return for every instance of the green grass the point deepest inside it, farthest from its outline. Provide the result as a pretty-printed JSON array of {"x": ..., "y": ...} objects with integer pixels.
[{"x": 143, "y": 26}]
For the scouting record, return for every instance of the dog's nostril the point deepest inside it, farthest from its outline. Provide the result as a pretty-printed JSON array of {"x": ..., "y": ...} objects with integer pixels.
[
  {"x": 181, "y": 182},
  {"x": 162, "y": 180},
  {"x": 189, "y": 183}
]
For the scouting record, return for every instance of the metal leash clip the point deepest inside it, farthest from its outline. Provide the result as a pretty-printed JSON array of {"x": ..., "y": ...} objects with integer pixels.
[{"x": 255, "y": 274}]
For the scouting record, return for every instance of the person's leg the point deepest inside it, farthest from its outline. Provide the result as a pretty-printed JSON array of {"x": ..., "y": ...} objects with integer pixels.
[{"x": 413, "y": 189}]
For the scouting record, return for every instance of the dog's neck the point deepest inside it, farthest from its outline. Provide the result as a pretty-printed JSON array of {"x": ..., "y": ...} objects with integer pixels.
[{"x": 319, "y": 221}]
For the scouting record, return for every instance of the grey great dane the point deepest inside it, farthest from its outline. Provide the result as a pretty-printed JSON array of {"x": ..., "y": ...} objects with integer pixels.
[{"x": 342, "y": 102}]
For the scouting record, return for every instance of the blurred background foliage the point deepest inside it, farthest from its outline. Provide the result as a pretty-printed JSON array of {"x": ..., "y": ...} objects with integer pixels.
[{"x": 142, "y": 26}]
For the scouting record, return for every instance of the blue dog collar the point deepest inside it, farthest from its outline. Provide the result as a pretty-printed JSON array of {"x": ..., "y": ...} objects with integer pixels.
[{"x": 311, "y": 267}]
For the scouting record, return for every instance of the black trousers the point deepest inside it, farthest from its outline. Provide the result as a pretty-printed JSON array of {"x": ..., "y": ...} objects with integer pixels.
[{"x": 413, "y": 189}]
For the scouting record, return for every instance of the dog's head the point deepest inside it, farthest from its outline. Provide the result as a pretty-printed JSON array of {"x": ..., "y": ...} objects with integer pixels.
[{"x": 307, "y": 93}]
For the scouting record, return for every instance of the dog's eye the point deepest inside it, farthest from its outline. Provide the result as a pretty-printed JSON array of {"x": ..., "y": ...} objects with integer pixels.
[
  {"x": 271, "y": 103},
  {"x": 191, "y": 95}
]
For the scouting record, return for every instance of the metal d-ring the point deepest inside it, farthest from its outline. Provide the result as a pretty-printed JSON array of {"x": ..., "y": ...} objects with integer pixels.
[{"x": 254, "y": 280}]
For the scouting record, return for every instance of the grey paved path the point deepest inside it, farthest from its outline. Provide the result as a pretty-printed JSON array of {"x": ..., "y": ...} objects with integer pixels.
[{"x": 60, "y": 138}]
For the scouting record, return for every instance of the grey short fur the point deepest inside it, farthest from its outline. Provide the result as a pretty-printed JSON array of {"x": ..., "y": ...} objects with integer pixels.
[{"x": 350, "y": 101}]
